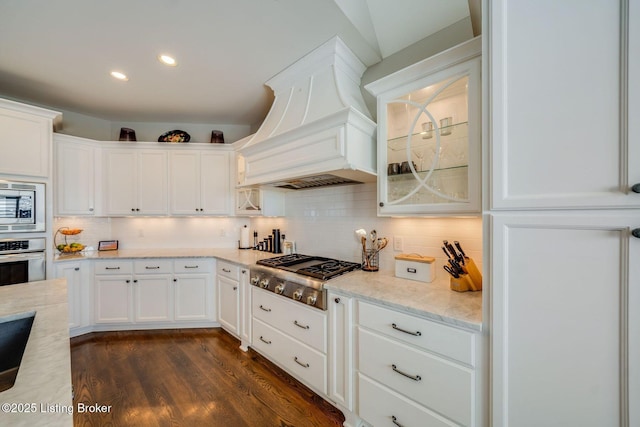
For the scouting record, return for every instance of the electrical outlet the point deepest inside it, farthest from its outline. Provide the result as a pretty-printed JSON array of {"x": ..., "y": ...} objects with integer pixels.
[{"x": 397, "y": 243}]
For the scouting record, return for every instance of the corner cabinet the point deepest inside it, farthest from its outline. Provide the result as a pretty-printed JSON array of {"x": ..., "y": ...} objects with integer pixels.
[{"x": 429, "y": 135}]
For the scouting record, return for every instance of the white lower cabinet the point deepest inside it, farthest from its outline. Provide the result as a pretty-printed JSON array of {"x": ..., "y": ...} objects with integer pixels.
[
  {"x": 418, "y": 372},
  {"x": 79, "y": 289},
  {"x": 229, "y": 296},
  {"x": 340, "y": 351},
  {"x": 153, "y": 292},
  {"x": 291, "y": 335},
  {"x": 193, "y": 289}
]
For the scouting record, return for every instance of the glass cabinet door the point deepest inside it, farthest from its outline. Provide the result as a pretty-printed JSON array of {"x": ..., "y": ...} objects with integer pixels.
[{"x": 429, "y": 142}]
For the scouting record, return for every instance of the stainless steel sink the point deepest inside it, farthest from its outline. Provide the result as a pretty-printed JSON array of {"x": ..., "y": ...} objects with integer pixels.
[{"x": 14, "y": 334}]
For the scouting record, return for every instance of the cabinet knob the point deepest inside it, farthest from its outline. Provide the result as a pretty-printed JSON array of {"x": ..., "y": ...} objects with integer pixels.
[
  {"x": 337, "y": 300},
  {"x": 137, "y": 210},
  {"x": 636, "y": 188},
  {"x": 382, "y": 204},
  {"x": 135, "y": 281},
  {"x": 636, "y": 232},
  {"x": 127, "y": 281},
  {"x": 90, "y": 209},
  {"x": 133, "y": 209},
  {"x": 77, "y": 269},
  {"x": 175, "y": 280},
  {"x": 235, "y": 288}
]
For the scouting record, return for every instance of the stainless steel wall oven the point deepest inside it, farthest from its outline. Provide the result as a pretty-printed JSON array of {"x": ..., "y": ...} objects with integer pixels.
[{"x": 22, "y": 260}]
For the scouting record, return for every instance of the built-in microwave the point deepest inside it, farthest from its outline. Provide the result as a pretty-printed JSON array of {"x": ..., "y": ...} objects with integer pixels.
[{"x": 21, "y": 207}]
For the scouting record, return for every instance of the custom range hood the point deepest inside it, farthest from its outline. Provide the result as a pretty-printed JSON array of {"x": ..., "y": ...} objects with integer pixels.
[{"x": 318, "y": 131}]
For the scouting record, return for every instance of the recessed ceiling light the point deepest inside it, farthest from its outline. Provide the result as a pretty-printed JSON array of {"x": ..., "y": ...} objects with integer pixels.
[
  {"x": 120, "y": 76},
  {"x": 167, "y": 60}
]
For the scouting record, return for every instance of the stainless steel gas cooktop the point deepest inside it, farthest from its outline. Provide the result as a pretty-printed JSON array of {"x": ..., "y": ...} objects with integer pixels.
[{"x": 299, "y": 277}]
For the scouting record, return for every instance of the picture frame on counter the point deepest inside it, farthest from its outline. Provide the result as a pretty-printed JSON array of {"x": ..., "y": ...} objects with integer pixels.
[{"x": 108, "y": 245}]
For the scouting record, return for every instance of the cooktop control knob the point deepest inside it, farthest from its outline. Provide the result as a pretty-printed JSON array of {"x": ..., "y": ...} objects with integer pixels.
[
  {"x": 279, "y": 288},
  {"x": 264, "y": 283},
  {"x": 255, "y": 280},
  {"x": 311, "y": 299},
  {"x": 297, "y": 294}
]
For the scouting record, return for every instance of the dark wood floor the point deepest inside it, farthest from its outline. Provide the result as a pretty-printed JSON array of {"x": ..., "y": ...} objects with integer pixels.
[{"x": 187, "y": 377}]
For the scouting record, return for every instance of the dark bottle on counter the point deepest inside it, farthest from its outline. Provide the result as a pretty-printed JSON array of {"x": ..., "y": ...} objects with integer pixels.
[
  {"x": 276, "y": 241},
  {"x": 255, "y": 240}
]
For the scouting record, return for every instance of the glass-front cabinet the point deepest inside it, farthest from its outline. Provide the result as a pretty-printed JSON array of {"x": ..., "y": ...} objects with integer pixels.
[{"x": 429, "y": 135}]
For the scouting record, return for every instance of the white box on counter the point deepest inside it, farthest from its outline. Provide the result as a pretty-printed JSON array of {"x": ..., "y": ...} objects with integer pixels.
[{"x": 416, "y": 267}]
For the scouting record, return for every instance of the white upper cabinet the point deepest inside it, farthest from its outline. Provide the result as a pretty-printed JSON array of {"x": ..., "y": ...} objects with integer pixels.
[
  {"x": 135, "y": 181},
  {"x": 429, "y": 135},
  {"x": 76, "y": 169},
  {"x": 200, "y": 182},
  {"x": 565, "y": 103},
  {"x": 25, "y": 140}
]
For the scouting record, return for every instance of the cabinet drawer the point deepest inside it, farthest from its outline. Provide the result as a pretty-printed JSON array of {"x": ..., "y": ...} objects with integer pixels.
[
  {"x": 192, "y": 265},
  {"x": 226, "y": 269},
  {"x": 438, "y": 384},
  {"x": 303, "y": 362},
  {"x": 308, "y": 325},
  {"x": 380, "y": 406},
  {"x": 152, "y": 266},
  {"x": 113, "y": 267},
  {"x": 447, "y": 341}
]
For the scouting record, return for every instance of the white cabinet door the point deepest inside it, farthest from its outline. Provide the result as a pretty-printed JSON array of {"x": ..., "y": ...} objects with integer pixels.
[
  {"x": 215, "y": 183},
  {"x": 152, "y": 182},
  {"x": 135, "y": 182},
  {"x": 113, "y": 299},
  {"x": 153, "y": 297},
  {"x": 341, "y": 376},
  {"x": 245, "y": 309},
  {"x": 120, "y": 182},
  {"x": 75, "y": 170},
  {"x": 566, "y": 320},
  {"x": 71, "y": 272},
  {"x": 185, "y": 183},
  {"x": 228, "y": 304},
  {"x": 564, "y": 103},
  {"x": 200, "y": 183},
  {"x": 193, "y": 298},
  {"x": 25, "y": 141}
]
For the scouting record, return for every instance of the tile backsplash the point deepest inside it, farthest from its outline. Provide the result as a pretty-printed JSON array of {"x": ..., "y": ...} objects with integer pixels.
[{"x": 322, "y": 222}]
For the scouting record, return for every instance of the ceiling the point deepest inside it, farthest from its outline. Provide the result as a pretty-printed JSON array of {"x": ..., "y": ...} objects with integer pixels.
[{"x": 59, "y": 53}]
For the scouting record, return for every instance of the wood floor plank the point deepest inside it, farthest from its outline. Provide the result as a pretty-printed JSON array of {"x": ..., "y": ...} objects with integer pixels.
[{"x": 187, "y": 377}]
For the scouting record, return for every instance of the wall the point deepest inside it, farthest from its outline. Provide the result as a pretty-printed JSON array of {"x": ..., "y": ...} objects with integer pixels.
[{"x": 323, "y": 222}]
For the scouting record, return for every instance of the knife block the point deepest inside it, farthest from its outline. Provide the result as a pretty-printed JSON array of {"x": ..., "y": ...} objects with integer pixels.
[
  {"x": 470, "y": 281},
  {"x": 474, "y": 273},
  {"x": 460, "y": 284}
]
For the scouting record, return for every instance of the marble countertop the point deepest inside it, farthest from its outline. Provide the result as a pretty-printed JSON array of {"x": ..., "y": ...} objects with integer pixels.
[
  {"x": 433, "y": 301},
  {"x": 44, "y": 377}
]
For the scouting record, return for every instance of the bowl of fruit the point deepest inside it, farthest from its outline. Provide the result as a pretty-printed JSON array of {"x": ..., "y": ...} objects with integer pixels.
[{"x": 67, "y": 248}]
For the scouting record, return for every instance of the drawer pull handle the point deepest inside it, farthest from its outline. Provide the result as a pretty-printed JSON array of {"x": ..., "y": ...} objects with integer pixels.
[
  {"x": 413, "y": 377},
  {"x": 112, "y": 268},
  {"x": 265, "y": 309},
  {"x": 395, "y": 421},
  {"x": 152, "y": 268},
  {"x": 190, "y": 266},
  {"x": 415, "y": 334},
  {"x": 295, "y": 322},
  {"x": 226, "y": 270},
  {"x": 264, "y": 341},
  {"x": 304, "y": 365}
]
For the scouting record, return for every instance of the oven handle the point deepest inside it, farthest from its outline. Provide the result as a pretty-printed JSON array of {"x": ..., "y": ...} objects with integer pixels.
[{"x": 21, "y": 257}]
